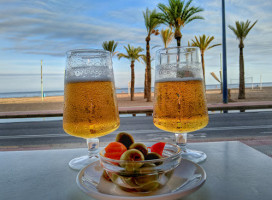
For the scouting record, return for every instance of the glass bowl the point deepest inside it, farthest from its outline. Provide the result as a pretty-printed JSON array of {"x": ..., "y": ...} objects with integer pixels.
[{"x": 142, "y": 176}]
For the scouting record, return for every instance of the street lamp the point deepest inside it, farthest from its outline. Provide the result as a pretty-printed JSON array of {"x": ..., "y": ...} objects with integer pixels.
[
  {"x": 224, "y": 48},
  {"x": 42, "y": 95}
]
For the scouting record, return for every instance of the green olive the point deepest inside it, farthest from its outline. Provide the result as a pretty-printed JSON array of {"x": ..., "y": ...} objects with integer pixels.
[
  {"x": 130, "y": 156},
  {"x": 152, "y": 156},
  {"x": 112, "y": 175},
  {"x": 125, "y": 138},
  {"x": 149, "y": 165},
  {"x": 151, "y": 186},
  {"x": 143, "y": 180},
  {"x": 139, "y": 146},
  {"x": 147, "y": 170},
  {"x": 129, "y": 182}
]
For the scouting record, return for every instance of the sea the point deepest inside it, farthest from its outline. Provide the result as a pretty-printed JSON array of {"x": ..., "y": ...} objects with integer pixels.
[{"x": 119, "y": 90}]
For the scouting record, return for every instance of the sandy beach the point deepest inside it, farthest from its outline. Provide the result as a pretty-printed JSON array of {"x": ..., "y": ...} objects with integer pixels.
[{"x": 56, "y": 102}]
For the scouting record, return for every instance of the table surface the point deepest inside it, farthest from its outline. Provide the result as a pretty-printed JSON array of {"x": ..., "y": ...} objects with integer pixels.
[{"x": 234, "y": 171}]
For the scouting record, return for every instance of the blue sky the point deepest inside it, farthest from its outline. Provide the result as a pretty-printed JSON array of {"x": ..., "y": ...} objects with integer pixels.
[{"x": 33, "y": 30}]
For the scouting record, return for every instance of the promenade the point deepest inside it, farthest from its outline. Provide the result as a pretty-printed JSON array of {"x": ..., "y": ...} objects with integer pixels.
[
  {"x": 255, "y": 99},
  {"x": 134, "y": 110},
  {"x": 52, "y": 107}
]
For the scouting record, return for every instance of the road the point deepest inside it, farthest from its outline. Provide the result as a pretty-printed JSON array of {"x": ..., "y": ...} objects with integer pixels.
[{"x": 221, "y": 126}]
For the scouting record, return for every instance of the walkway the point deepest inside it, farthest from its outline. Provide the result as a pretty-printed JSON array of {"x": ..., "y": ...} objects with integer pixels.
[{"x": 242, "y": 106}]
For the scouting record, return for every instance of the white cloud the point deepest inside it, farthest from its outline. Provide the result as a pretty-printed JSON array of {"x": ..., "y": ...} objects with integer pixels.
[
  {"x": 52, "y": 27},
  {"x": 41, "y": 31}
]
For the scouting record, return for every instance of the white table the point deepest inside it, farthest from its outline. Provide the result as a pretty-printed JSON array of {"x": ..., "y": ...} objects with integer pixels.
[{"x": 234, "y": 171}]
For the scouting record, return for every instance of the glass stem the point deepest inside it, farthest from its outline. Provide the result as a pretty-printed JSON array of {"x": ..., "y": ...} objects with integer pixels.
[
  {"x": 93, "y": 145},
  {"x": 181, "y": 140}
]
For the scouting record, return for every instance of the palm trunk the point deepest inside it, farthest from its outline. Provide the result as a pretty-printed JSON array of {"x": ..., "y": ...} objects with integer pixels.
[
  {"x": 178, "y": 41},
  {"x": 148, "y": 67},
  {"x": 168, "y": 56},
  {"x": 178, "y": 36},
  {"x": 145, "y": 84},
  {"x": 203, "y": 68},
  {"x": 132, "y": 81},
  {"x": 242, "y": 73}
]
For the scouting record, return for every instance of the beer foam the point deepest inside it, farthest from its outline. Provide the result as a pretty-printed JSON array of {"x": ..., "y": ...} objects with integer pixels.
[
  {"x": 86, "y": 74},
  {"x": 178, "y": 79},
  {"x": 86, "y": 79}
]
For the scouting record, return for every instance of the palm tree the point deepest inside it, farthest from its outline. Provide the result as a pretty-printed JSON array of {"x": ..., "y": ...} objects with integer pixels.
[
  {"x": 110, "y": 46},
  {"x": 167, "y": 36},
  {"x": 151, "y": 23},
  {"x": 132, "y": 54},
  {"x": 241, "y": 30},
  {"x": 203, "y": 43},
  {"x": 177, "y": 14},
  {"x": 145, "y": 80}
]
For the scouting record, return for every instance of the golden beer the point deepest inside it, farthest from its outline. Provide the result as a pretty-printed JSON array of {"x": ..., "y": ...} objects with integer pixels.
[
  {"x": 90, "y": 109},
  {"x": 180, "y": 106}
]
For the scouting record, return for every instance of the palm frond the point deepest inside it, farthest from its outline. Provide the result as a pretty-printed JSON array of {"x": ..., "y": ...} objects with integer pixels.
[
  {"x": 116, "y": 52},
  {"x": 248, "y": 29},
  {"x": 152, "y": 20},
  {"x": 234, "y": 30},
  {"x": 144, "y": 60},
  {"x": 178, "y": 12},
  {"x": 242, "y": 29},
  {"x": 203, "y": 42},
  {"x": 213, "y": 46},
  {"x": 167, "y": 36},
  {"x": 110, "y": 46},
  {"x": 132, "y": 53},
  {"x": 121, "y": 55}
]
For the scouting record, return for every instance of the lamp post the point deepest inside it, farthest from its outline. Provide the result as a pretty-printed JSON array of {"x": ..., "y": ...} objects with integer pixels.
[
  {"x": 41, "y": 82},
  {"x": 224, "y": 47}
]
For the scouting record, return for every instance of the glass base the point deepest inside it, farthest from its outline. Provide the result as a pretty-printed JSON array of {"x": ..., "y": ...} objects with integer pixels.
[
  {"x": 193, "y": 155},
  {"x": 81, "y": 162}
]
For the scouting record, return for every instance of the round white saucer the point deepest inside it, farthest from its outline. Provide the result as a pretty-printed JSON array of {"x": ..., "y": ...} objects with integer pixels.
[{"x": 187, "y": 178}]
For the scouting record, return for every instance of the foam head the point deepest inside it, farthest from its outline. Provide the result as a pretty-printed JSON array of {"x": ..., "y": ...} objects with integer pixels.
[
  {"x": 88, "y": 65},
  {"x": 178, "y": 63},
  {"x": 87, "y": 73}
]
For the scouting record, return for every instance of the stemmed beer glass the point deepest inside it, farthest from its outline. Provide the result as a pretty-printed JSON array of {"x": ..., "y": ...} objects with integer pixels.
[
  {"x": 90, "y": 106},
  {"x": 180, "y": 103}
]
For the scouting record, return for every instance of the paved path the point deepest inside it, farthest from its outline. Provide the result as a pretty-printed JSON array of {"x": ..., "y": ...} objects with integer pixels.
[{"x": 242, "y": 106}]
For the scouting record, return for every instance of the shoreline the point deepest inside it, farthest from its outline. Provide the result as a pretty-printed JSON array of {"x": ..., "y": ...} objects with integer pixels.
[
  {"x": 120, "y": 93},
  {"x": 123, "y": 99}
]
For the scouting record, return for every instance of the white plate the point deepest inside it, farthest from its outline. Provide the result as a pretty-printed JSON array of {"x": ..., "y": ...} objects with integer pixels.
[{"x": 187, "y": 178}]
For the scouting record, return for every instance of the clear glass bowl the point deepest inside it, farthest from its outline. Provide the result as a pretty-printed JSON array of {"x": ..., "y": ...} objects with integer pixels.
[{"x": 142, "y": 176}]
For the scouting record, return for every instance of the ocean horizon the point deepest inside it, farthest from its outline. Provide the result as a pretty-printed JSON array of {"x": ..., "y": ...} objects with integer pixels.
[{"x": 48, "y": 93}]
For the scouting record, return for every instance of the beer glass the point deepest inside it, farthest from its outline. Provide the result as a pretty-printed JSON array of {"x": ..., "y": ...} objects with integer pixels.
[
  {"x": 90, "y": 106},
  {"x": 180, "y": 103}
]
